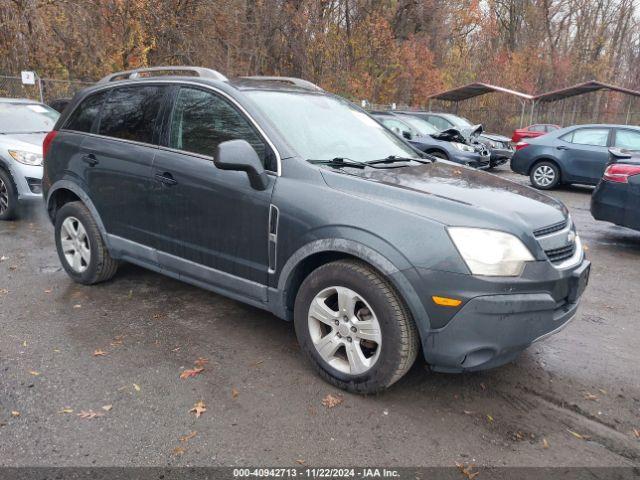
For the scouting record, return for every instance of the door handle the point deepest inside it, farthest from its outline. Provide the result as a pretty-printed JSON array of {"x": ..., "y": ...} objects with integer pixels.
[
  {"x": 562, "y": 147},
  {"x": 166, "y": 178},
  {"x": 90, "y": 159}
]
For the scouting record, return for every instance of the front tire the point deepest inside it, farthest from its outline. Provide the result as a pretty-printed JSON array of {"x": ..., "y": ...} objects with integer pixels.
[
  {"x": 8, "y": 196},
  {"x": 545, "y": 175},
  {"x": 354, "y": 328},
  {"x": 81, "y": 250}
]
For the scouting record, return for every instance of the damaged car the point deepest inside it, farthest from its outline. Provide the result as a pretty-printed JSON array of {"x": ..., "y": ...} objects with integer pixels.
[
  {"x": 499, "y": 146},
  {"x": 451, "y": 144}
]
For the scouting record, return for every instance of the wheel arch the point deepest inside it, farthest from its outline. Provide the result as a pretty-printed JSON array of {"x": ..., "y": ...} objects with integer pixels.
[
  {"x": 65, "y": 191},
  {"x": 319, "y": 252},
  {"x": 431, "y": 151}
]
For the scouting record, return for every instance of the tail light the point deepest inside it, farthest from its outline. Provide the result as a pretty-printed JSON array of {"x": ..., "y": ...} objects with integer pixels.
[
  {"x": 620, "y": 172},
  {"x": 521, "y": 145},
  {"x": 46, "y": 143}
]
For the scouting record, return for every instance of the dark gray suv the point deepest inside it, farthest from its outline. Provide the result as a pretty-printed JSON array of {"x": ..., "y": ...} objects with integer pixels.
[{"x": 278, "y": 194}]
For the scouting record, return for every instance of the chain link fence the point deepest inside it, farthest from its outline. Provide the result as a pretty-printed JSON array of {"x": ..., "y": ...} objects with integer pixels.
[{"x": 44, "y": 90}]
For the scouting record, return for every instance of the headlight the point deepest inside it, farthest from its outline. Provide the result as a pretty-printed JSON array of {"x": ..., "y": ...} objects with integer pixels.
[
  {"x": 463, "y": 147},
  {"x": 27, "y": 158},
  {"x": 489, "y": 252}
]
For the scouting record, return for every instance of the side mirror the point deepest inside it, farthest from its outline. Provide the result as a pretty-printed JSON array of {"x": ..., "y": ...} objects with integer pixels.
[
  {"x": 406, "y": 135},
  {"x": 239, "y": 155}
]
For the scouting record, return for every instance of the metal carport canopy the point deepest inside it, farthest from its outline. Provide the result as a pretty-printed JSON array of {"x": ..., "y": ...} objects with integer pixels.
[
  {"x": 582, "y": 88},
  {"x": 474, "y": 90}
]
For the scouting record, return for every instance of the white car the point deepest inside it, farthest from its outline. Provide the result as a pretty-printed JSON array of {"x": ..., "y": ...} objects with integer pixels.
[{"x": 23, "y": 126}]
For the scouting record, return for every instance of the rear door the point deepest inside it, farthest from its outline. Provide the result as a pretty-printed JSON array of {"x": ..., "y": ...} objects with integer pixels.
[
  {"x": 583, "y": 153},
  {"x": 119, "y": 157},
  {"x": 211, "y": 225}
]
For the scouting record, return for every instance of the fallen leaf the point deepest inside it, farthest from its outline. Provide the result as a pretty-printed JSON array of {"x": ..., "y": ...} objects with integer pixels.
[
  {"x": 255, "y": 364},
  {"x": 24, "y": 344},
  {"x": 77, "y": 305},
  {"x": 175, "y": 349},
  {"x": 158, "y": 316},
  {"x": 66, "y": 410},
  {"x": 15, "y": 413},
  {"x": 331, "y": 401},
  {"x": 519, "y": 435},
  {"x": 636, "y": 432},
  {"x": 199, "y": 408},
  {"x": 300, "y": 461},
  {"x": 47, "y": 290},
  {"x": 99, "y": 353},
  {"x": 107, "y": 408},
  {"x": 201, "y": 362},
  {"x": 188, "y": 436},
  {"x": 578, "y": 436},
  {"x": 178, "y": 451},
  {"x": 545, "y": 444},
  {"x": 191, "y": 373},
  {"x": 3, "y": 258},
  {"x": 137, "y": 387},
  {"x": 34, "y": 373},
  {"x": 468, "y": 412},
  {"x": 234, "y": 393},
  {"x": 483, "y": 386},
  {"x": 490, "y": 418},
  {"x": 13, "y": 268},
  {"x": 466, "y": 470},
  {"x": 602, "y": 391},
  {"x": 590, "y": 396},
  {"x": 3, "y": 291},
  {"x": 89, "y": 414}
]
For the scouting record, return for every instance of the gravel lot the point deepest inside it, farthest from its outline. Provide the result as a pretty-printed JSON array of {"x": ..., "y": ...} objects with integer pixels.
[{"x": 571, "y": 400}]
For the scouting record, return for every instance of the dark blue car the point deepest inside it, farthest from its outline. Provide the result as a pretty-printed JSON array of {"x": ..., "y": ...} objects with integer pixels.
[{"x": 577, "y": 154}]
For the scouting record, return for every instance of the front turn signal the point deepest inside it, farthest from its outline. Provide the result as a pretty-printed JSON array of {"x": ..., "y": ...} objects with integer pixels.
[{"x": 446, "y": 302}]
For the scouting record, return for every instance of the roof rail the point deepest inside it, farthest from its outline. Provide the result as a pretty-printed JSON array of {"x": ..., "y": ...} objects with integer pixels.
[
  {"x": 298, "y": 82},
  {"x": 191, "y": 71}
]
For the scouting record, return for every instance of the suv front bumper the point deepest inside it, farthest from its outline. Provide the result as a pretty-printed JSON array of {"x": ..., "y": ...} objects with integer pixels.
[
  {"x": 491, "y": 330},
  {"x": 28, "y": 180}
]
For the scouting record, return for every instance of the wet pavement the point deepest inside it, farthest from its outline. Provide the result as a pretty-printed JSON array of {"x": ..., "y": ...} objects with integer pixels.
[{"x": 573, "y": 399}]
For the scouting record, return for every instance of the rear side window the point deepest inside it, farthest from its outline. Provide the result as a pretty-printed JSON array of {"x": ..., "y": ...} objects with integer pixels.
[
  {"x": 82, "y": 118},
  {"x": 130, "y": 113},
  {"x": 628, "y": 139},
  {"x": 588, "y": 136},
  {"x": 536, "y": 128},
  {"x": 201, "y": 120},
  {"x": 439, "y": 123}
]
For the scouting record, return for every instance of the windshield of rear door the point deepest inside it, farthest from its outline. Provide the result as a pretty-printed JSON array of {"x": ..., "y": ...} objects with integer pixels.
[
  {"x": 26, "y": 118},
  {"x": 324, "y": 127}
]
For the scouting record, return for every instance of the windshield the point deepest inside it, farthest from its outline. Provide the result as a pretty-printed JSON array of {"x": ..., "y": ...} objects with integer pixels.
[
  {"x": 458, "y": 121},
  {"x": 421, "y": 126},
  {"x": 323, "y": 127},
  {"x": 26, "y": 118}
]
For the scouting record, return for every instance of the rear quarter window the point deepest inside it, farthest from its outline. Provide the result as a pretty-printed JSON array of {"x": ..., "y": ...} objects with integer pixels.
[
  {"x": 85, "y": 114},
  {"x": 130, "y": 113}
]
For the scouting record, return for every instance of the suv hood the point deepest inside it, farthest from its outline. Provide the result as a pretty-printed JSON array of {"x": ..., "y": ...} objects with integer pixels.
[
  {"x": 460, "y": 135},
  {"x": 30, "y": 142},
  {"x": 457, "y": 196}
]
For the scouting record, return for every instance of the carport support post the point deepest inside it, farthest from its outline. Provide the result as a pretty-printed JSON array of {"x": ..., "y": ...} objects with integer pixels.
[
  {"x": 524, "y": 104},
  {"x": 564, "y": 104},
  {"x": 533, "y": 108},
  {"x": 628, "y": 111},
  {"x": 429, "y": 104},
  {"x": 457, "y": 105}
]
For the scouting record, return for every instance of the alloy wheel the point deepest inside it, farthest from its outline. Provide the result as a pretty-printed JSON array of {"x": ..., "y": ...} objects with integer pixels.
[
  {"x": 344, "y": 330},
  {"x": 75, "y": 244},
  {"x": 4, "y": 197},
  {"x": 544, "y": 175}
]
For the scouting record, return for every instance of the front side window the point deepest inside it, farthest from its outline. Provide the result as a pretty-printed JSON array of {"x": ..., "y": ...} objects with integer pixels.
[
  {"x": 395, "y": 125},
  {"x": 421, "y": 126},
  {"x": 202, "y": 120},
  {"x": 589, "y": 136},
  {"x": 130, "y": 113},
  {"x": 439, "y": 122},
  {"x": 81, "y": 120},
  {"x": 628, "y": 139},
  {"x": 324, "y": 127},
  {"x": 26, "y": 117}
]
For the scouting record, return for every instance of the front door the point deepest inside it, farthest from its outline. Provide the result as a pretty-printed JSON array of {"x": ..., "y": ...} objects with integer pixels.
[
  {"x": 584, "y": 153},
  {"x": 211, "y": 225}
]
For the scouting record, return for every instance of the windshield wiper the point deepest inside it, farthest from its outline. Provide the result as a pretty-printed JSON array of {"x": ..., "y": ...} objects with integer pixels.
[
  {"x": 395, "y": 158},
  {"x": 340, "y": 162}
]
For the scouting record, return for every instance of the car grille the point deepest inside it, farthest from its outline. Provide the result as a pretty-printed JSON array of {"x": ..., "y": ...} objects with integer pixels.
[
  {"x": 556, "y": 227},
  {"x": 557, "y": 255},
  {"x": 557, "y": 241}
]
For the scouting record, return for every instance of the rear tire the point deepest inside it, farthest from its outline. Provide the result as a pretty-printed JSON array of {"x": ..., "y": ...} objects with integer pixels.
[
  {"x": 8, "y": 196},
  {"x": 81, "y": 250},
  {"x": 366, "y": 334},
  {"x": 545, "y": 175}
]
